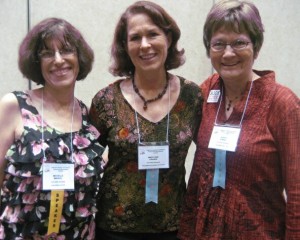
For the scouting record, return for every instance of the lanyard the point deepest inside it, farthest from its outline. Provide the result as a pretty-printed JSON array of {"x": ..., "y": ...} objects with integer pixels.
[
  {"x": 224, "y": 137},
  {"x": 245, "y": 107},
  {"x": 43, "y": 140},
  {"x": 57, "y": 194},
  {"x": 152, "y": 174},
  {"x": 168, "y": 119}
]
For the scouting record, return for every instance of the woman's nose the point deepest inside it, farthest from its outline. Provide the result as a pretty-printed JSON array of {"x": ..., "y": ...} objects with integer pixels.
[
  {"x": 145, "y": 42},
  {"x": 58, "y": 57},
  {"x": 228, "y": 51}
]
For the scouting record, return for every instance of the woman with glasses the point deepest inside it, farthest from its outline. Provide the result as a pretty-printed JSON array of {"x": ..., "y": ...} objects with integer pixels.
[
  {"x": 148, "y": 120},
  {"x": 248, "y": 142},
  {"x": 50, "y": 159}
]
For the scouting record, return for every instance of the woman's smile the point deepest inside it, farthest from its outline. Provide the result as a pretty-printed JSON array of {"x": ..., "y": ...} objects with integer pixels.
[
  {"x": 149, "y": 56},
  {"x": 61, "y": 71}
]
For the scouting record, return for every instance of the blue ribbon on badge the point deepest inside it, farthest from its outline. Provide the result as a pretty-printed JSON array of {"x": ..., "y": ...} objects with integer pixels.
[
  {"x": 152, "y": 185},
  {"x": 220, "y": 169}
]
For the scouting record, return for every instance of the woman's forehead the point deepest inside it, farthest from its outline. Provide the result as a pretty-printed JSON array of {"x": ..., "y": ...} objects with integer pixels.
[
  {"x": 55, "y": 41},
  {"x": 226, "y": 26}
]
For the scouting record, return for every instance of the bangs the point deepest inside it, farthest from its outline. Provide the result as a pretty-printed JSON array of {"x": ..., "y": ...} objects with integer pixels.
[
  {"x": 230, "y": 23},
  {"x": 56, "y": 33}
]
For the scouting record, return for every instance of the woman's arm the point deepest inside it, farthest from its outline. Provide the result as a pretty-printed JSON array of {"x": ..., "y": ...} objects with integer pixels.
[
  {"x": 10, "y": 127},
  {"x": 284, "y": 122}
]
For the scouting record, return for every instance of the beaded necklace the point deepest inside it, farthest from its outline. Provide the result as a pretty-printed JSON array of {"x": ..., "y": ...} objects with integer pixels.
[{"x": 159, "y": 96}]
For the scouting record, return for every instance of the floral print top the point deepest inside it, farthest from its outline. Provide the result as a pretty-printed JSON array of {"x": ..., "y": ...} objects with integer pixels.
[
  {"x": 24, "y": 205},
  {"x": 121, "y": 199}
]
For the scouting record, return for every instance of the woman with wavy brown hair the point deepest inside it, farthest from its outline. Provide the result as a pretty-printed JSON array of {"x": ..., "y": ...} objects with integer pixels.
[{"x": 148, "y": 120}]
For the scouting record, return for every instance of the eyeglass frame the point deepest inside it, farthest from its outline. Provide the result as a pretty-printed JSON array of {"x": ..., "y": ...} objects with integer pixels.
[
  {"x": 64, "y": 53},
  {"x": 224, "y": 45}
]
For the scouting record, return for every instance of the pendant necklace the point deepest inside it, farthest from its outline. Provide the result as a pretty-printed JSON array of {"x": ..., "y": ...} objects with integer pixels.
[
  {"x": 159, "y": 96},
  {"x": 230, "y": 102}
]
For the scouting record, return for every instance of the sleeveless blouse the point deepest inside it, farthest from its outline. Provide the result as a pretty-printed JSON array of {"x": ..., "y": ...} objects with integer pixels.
[{"x": 25, "y": 206}]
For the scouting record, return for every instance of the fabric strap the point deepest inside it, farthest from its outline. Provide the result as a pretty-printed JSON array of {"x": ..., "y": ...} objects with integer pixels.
[
  {"x": 152, "y": 176},
  {"x": 56, "y": 204},
  {"x": 220, "y": 169}
]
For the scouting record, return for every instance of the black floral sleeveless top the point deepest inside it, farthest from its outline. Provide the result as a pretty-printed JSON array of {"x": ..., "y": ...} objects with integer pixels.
[{"x": 24, "y": 205}]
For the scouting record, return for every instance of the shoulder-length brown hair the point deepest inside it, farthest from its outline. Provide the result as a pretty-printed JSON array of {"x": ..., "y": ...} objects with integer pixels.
[
  {"x": 121, "y": 62},
  {"x": 35, "y": 41},
  {"x": 238, "y": 16}
]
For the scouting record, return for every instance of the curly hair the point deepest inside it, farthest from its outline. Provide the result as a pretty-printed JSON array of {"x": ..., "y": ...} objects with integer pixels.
[{"x": 35, "y": 41}]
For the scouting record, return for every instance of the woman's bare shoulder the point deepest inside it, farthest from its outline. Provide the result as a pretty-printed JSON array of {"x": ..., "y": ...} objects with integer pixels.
[
  {"x": 10, "y": 121},
  {"x": 9, "y": 104}
]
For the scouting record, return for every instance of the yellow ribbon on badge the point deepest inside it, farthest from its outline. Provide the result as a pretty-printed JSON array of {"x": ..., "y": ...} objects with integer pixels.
[{"x": 56, "y": 204}]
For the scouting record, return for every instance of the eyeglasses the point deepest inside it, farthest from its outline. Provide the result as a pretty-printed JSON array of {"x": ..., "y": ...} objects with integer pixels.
[
  {"x": 50, "y": 54},
  {"x": 235, "y": 45}
]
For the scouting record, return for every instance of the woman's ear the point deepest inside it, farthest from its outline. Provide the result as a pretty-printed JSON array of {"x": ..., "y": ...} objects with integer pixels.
[
  {"x": 256, "y": 55},
  {"x": 170, "y": 39}
]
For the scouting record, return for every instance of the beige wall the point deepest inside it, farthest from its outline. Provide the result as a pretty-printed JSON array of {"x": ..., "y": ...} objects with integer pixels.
[{"x": 96, "y": 19}]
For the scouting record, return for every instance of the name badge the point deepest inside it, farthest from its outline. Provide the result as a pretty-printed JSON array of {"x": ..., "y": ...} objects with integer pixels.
[
  {"x": 213, "y": 96},
  {"x": 224, "y": 138},
  {"x": 153, "y": 155},
  {"x": 58, "y": 176}
]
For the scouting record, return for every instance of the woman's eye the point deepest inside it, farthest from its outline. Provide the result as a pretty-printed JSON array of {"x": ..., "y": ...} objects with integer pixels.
[
  {"x": 46, "y": 54},
  {"x": 134, "y": 38},
  {"x": 239, "y": 43},
  {"x": 153, "y": 34},
  {"x": 67, "y": 50},
  {"x": 218, "y": 44}
]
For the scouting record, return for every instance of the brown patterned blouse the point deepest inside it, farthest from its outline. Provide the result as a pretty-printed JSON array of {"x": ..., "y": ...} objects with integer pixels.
[
  {"x": 121, "y": 201},
  {"x": 267, "y": 161}
]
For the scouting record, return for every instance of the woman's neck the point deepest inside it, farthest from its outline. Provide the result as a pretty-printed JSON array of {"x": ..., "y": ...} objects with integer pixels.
[
  {"x": 235, "y": 89},
  {"x": 150, "y": 81},
  {"x": 59, "y": 98}
]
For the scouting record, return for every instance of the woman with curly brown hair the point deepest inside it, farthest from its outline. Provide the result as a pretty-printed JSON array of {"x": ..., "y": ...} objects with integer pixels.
[{"x": 50, "y": 159}]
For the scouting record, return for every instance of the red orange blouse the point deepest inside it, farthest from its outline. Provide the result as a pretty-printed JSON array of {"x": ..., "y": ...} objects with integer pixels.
[{"x": 266, "y": 161}]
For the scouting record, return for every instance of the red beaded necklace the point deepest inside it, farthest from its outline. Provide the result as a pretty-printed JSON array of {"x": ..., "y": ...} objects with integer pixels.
[{"x": 159, "y": 96}]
